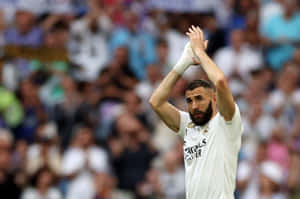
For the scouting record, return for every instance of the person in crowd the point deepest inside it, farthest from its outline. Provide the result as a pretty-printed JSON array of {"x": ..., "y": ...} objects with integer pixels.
[{"x": 43, "y": 188}]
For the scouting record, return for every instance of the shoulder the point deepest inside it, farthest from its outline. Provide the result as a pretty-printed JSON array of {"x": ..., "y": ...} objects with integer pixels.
[
  {"x": 54, "y": 193},
  {"x": 97, "y": 151},
  {"x": 185, "y": 121},
  {"x": 236, "y": 116},
  {"x": 232, "y": 129},
  {"x": 274, "y": 19},
  {"x": 297, "y": 16},
  {"x": 10, "y": 33},
  {"x": 29, "y": 193},
  {"x": 120, "y": 31}
]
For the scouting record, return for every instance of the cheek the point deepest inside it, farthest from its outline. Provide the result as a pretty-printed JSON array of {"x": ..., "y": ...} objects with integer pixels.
[
  {"x": 203, "y": 105},
  {"x": 189, "y": 107}
]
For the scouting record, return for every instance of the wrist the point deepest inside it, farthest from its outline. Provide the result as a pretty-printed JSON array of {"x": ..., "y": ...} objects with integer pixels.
[
  {"x": 199, "y": 52},
  {"x": 180, "y": 67},
  {"x": 185, "y": 60}
]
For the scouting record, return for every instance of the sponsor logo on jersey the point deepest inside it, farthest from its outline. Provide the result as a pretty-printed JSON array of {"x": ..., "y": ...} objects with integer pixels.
[{"x": 194, "y": 152}]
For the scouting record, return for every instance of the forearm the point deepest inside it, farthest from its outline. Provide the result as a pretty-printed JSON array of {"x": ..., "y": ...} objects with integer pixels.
[
  {"x": 213, "y": 72},
  {"x": 162, "y": 92}
]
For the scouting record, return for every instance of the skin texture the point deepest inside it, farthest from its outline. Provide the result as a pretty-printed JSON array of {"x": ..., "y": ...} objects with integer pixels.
[
  {"x": 222, "y": 99},
  {"x": 201, "y": 104},
  {"x": 225, "y": 101}
]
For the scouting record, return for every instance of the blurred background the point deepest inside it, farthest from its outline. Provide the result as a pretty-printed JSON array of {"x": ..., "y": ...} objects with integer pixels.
[{"x": 76, "y": 76}]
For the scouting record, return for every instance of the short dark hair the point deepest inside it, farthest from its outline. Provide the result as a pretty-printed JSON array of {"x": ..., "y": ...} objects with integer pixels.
[
  {"x": 200, "y": 83},
  {"x": 162, "y": 42}
]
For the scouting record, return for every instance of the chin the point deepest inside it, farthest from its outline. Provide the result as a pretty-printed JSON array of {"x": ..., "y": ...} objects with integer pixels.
[{"x": 200, "y": 123}]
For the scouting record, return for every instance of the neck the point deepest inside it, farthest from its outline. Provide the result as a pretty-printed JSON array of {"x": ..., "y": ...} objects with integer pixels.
[
  {"x": 43, "y": 190},
  {"x": 237, "y": 48},
  {"x": 288, "y": 15},
  {"x": 214, "y": 113},
  {"x": 171, "y": 169}
]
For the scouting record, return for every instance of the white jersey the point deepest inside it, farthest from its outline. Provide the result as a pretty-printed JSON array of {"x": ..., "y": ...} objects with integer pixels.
[{"x": 210, "y": 156}]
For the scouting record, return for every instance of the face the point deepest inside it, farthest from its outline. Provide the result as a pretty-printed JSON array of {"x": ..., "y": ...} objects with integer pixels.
[
  {"x": 86, "y": 137},
  {"x": 290, "y": 6},
  {"x": 132, "y": 102},
  {"x": 162, "y": 51},
  {"x": 237, "y": 38},
  {"x": 121, "y": 55},
  {"x": 24, "y": 21},
  {"x": 45, "y": 179},
  {"x": 200, "y": 104},
  {"x": 132, "y": 21},
  {"x": 154, "y": 73}
]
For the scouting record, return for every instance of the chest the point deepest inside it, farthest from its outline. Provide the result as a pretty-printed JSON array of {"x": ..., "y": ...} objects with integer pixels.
[
  {"x": 195, "y": 135},
  {"x": 289, "y": 29},
  {"x": 198, "y": 142}
]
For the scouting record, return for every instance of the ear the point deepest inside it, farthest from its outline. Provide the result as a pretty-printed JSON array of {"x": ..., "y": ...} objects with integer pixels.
[{"x": 214, "y": 97}]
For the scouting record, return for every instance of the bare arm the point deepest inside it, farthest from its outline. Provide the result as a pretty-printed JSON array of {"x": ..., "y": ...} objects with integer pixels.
[
  {"x": 159, "y": 99},
  {"x": 225, "y": 101}
]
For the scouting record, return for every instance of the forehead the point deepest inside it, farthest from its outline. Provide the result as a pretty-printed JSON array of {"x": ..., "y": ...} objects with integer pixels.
[{"x": 205, "y": 92}]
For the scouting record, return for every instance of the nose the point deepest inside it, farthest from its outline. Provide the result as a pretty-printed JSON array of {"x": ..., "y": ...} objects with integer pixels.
[{"x": 194, "y": 105}]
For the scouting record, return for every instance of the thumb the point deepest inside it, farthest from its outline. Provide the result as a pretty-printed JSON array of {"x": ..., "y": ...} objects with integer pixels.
[{"x": 205, "y": 44}]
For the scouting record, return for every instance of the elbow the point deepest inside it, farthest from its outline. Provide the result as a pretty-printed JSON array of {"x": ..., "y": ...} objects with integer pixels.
[
  {"x": 221, "y": 83},
  {"x": 152, "y": 102}
]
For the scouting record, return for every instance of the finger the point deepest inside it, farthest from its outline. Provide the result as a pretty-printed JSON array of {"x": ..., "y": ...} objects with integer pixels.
[
  {"x": 197, "y": 33},
  {"x": 194, "y": 28},
  {"x": 200, "y": 33},
  {"x": 199, "y": 29},
  {"x": 191, "y": 30},
  {"x": 206, "y": 44},
  {"x": 188, "y": 34}
]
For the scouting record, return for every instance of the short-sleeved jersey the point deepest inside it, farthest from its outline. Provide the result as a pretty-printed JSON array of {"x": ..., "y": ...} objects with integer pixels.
[{"x": 210, "y": 156}]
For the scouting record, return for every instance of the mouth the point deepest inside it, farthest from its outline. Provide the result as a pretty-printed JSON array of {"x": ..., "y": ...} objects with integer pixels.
[{"x": 198, "y": 115}]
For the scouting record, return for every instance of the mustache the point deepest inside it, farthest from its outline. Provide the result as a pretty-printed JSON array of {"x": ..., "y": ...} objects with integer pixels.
[{"x": 198, "y": 112}]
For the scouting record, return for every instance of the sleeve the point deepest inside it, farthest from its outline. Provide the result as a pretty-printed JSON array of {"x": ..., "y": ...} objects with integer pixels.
[
  {"x": 184, "y": 119},
  {"x": 234, "y": 126}
]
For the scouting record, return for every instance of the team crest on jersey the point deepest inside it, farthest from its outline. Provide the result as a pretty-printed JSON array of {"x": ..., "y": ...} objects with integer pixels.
[{"x": 191, "y": 125}]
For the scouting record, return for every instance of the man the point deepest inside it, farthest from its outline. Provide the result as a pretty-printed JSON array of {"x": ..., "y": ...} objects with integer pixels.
[{"x": 212, "y": 128}]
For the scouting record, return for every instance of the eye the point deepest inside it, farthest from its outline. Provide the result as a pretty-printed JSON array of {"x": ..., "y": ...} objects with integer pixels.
[
  {"x": 198, "y": 97},
  {"x": 189, "y": 100}
]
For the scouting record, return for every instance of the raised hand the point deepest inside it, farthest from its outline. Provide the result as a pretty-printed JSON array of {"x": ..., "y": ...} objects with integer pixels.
[{"x": 197, "y": 39}]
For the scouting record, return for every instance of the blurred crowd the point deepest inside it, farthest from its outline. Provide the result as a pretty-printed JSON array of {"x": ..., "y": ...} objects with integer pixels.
[{"x": 76, "y": 76}]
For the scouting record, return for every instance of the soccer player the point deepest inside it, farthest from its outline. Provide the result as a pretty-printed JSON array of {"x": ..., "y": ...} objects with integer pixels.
[{"x": 211, "y": 130}]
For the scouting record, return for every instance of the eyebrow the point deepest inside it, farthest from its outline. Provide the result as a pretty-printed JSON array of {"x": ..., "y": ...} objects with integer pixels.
[{"x": 195, "y": 96}]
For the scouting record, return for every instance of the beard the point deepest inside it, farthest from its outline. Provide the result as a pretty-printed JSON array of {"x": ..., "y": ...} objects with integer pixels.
[{"x": 206, "y": 115}]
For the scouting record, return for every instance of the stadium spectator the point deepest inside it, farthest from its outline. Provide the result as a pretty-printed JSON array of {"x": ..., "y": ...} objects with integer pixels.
[
  {"x": 238, "y": 59},
  {"x": 281, "y": 34},
  {"x": 132, "y": 37},
  {"x": 43, "y": 187},
  {"x": 92, "y": 64},
  {"x": 80, "y": 162}
]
